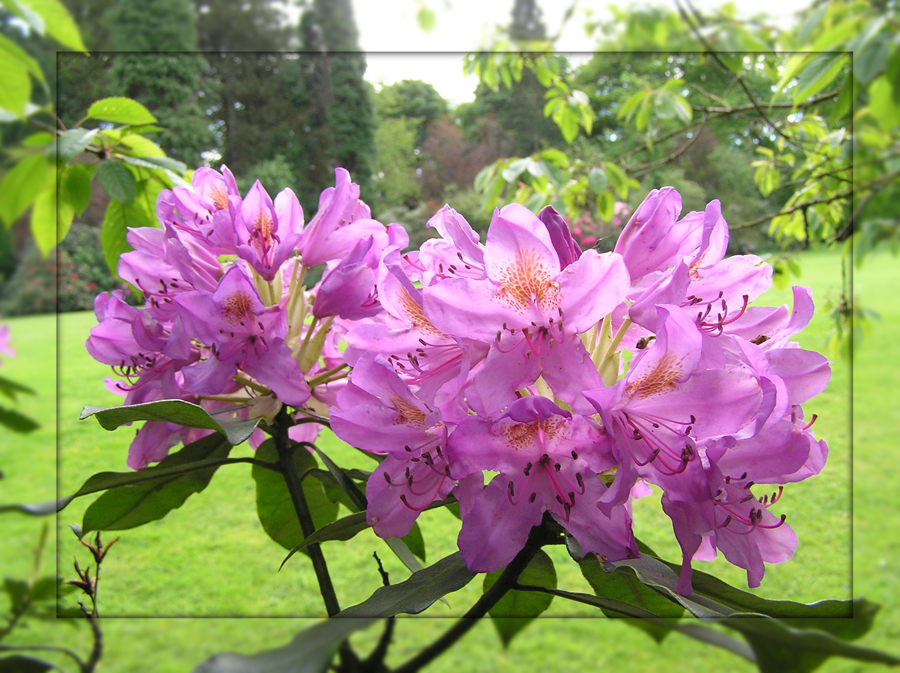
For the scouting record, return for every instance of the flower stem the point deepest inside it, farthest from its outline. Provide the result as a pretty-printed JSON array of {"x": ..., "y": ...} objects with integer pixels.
[
  {"x": 295, "y": 488},
  {"x": 507, "y": 580}
]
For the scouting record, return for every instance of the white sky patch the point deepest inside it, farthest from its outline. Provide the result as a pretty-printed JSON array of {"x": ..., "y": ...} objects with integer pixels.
[{"x": 399, "y": 49}]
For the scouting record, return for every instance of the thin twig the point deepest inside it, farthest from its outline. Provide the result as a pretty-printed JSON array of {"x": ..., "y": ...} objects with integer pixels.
[
  {"x": 799, "y": 206},
  {"x": 506, "y": 581}
]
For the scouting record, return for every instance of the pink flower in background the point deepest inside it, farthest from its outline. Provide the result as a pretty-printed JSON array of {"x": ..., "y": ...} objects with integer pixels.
[{"x": 5, "y": 348}]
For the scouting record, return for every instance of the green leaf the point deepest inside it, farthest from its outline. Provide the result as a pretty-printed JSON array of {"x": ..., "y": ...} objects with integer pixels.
[
  {"x": 597, "y": 180},
  {"x": 39, "y": 139},
  {"x": 20, "y": 663},
  {"x": 780, "y": 647},
  {"x": 274, "y": 505},
  {"x": 310, "y": 651},
  {"x": 156, "y": 162},
  {"x": 10, "y": 388},
  {"x": 606, "y": 206},
  {"x": 426, "y": 18},
  {"x": 842, "y": 106},
  {"x": 343, "y": 529},
  {"x": 118, "y": 219},
  {"x": 120, "y": 111},
  {"x": 72, "y": 143},
  {"x": 417, "y": 593},
  {"x": 818, "y": 74},
  {"x": 36, "y": 509},
  {"x": 343, "y": 480},
  {"x": 415, "y": 542},
  {"x": 873, "y": 60},
  {"x": 517, "y": 609},
  {"x": 15, "y": 86},
  {"x": 568, "y": 124},
  {"x": 515, "y": 169},
  {"x": 117, "y": 180},
  {"x": 57, "y": 22},
  {"x": 130, "y": 506},
  {"x": 882, "y": 104},
  {"x": 173, "y": 411},
  {"x": 20, "y": 55},
  {"x": 624, "y": 585},
  {"x": 51, "y": 215},
  {"x": 77, "y": 185},
  {"x": 17, "y": 422},
  {"x": 21, "y": 185}
]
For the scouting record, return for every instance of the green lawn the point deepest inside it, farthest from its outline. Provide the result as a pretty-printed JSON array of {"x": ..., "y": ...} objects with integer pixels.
[{"x": 211, "y": 557}]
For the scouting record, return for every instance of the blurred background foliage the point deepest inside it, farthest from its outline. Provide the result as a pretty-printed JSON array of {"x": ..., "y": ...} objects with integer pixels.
[{"x": 700, "y": 101}]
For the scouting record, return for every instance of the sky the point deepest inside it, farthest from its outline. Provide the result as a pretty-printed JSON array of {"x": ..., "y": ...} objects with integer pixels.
[{"x": 399, "y": 49}]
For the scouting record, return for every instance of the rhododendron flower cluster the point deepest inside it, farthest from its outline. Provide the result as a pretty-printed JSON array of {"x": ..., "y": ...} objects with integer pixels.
[{"x": 519, "y": 374}]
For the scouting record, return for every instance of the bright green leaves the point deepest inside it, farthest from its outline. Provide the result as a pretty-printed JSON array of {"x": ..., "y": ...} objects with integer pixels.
[
  {"x": 569, "y": 109},
  {"x": 121, "y": 111},
  {"x": 517, "y": 609},
  {"x": 667, "y": 102},
  {"x": 15, "y": 84},
  {"x": 173, "y": 411},
  {"x": 49, "y": 17},
  {"x": 273, "y": 499},
  {"x": 21, "y": 185},
  {"x": 426, "y": 18},
  {"x": 164, "y": 487},
  {"x": 51, "y": 214}
]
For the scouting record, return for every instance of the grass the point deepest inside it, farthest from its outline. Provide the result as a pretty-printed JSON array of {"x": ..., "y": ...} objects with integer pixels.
[{"x": 211, "y": 558}]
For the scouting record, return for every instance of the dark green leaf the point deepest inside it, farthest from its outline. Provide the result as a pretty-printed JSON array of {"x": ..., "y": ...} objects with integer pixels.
[
  {"x": 77, "y": 183},
  {"x": 16, "y": 422},
  {"x": 173, "y": 411},
  {"x": 333, "y": 490},
  {"x": 343, "y": 480},
  {"x": 121, "y": 111},
  {"x": 37, "y": 509},
  {"x": 780, "y": 647},
  {"x": 72, "y": 143},
  {"x": 624, "y": 585},
  {"x": 344, "y": 528},
  {"x": 18, "y": 591},
  {"x": 274, "y": 505},
  {"x": 118, "y": 219},
  {"x": 10, "y": 388},
  {"x": 310, "y": 651},
  {"x": 131, "y": 506},
  {"x": 517, "y": 609},
  {"x": 19, "y": 663},
  {"x": 21, "y": 185},
  {"x": 417, "y": 593},
  {"x": 415, "y": 542},
  {"x": 117, "y": 180}
]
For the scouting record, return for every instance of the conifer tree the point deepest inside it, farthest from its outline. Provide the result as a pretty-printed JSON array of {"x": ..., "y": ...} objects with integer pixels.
[
  {"x": 335, "y": 101},
  {"x": 169, "y": 81}
]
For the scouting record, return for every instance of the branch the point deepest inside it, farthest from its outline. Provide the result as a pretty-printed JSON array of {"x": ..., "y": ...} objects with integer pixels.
[
  {"x": 301, "y": 507},
  {"x": 730, "y": 110},
  {"x": 653, "y": 165},
  {"x": 507, "y": 580},
  {"x": 799, "y": 206}
]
